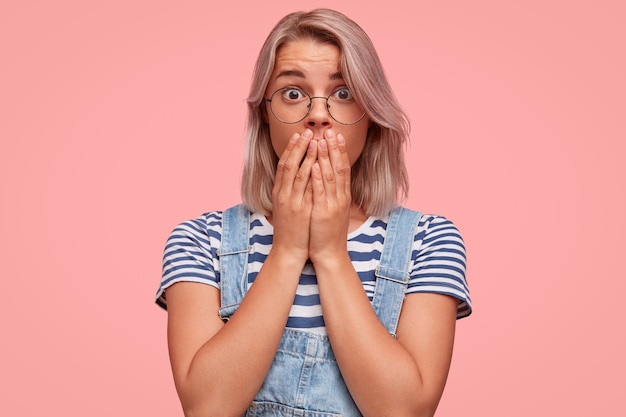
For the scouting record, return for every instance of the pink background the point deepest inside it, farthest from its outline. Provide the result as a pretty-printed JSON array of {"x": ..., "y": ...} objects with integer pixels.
[{"x": 119, "y": 119}]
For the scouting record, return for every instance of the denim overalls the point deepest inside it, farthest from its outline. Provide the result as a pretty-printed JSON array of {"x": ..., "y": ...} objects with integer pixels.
[{"x": 304, "y": 379}]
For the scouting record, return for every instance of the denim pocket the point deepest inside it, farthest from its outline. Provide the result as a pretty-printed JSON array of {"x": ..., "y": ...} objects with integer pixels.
[{"x": 270, "y": 409}]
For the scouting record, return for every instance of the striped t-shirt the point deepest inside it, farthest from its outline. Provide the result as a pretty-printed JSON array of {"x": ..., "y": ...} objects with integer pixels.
[{"x": 438, "y": 261}]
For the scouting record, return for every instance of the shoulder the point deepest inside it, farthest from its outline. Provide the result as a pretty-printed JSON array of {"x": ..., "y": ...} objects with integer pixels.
[
  {"x": 203, "y": 230},
  {"x": 429, "y": 228},
  {"x": 437, "y": 229},
  {"x": 437, "y": 238},
  {"x": 189, "y": 253},
  {"x": 439, "y": 261},
  {"x": 206, "y": 230},
  {"x": 202, "y": 224},
  {"x": 193, "y": 242}
]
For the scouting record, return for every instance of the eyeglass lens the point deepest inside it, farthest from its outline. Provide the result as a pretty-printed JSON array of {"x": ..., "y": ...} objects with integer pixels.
[{"x": 291, "y": 105}]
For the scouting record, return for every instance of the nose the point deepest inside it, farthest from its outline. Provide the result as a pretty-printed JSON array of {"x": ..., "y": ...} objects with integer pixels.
[{"x": 318, "y": 116}]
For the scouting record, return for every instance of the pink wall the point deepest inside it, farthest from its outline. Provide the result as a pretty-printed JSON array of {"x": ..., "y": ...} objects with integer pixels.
[{"x": 121, "y": 119}]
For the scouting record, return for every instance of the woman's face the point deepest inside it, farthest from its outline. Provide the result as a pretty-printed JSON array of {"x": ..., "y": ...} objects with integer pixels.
[{"x": 314, "y": 68}]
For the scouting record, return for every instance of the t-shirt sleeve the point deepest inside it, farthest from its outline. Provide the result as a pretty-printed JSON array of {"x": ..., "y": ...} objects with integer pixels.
[
  {"x": 439, "y": 262},
  {"x": 189, "y": 255}
]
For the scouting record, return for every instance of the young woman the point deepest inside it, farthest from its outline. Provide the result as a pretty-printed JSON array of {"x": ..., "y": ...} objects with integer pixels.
[{"x": 320, "y": 295}]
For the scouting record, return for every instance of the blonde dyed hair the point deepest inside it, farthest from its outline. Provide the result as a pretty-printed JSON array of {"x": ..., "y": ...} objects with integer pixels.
[{"x": 379, "y": 176}]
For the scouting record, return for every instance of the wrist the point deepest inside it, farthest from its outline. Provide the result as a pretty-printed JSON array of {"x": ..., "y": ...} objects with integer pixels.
[
  {"x": 330, "y": 261},
  {"x": 288, "y": 258}
]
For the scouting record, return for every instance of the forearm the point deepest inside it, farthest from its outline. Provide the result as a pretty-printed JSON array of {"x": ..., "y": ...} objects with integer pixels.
[
  {"x": 382, "y": 376},
  {"x": 227, "y": 371}
]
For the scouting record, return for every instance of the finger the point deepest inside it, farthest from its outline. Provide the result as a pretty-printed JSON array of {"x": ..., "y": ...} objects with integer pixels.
[
  {"x": 343, "y": 173},
  {"x": 280, "y": 168},
  {"x": 317, "y": 184},
  {"x": 289, "y": 162},
  {"x": 326, "y": 169},
  {"x": 337, "y": 154},
  {"x": 307, "y": 199},
  {"x": 303, "y": 176}
]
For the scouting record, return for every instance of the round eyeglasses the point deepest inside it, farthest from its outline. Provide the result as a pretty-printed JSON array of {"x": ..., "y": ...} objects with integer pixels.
[{"x": 291, "y": 105}]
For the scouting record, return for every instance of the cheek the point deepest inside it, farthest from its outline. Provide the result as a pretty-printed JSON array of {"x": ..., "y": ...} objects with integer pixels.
[
  {"x": 354, "y": 152},
  {"x": 355, "y": 143},
  {"x": 279, "y": 137}
]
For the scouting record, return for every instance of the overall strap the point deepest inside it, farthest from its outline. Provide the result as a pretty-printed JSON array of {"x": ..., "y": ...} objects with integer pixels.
[
  {"x": 392, "y": 275},
  {"x": 233, "y": 254}
]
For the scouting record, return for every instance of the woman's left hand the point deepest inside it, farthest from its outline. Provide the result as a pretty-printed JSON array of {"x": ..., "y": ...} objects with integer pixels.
[{"x": 330, "y": 180}]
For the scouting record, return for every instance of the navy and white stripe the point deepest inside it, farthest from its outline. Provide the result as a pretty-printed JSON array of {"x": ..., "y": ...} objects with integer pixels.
[{"x": 438, "y": 261}]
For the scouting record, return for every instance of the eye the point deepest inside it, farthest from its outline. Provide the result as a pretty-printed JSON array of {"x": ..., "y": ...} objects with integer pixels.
[
  {"x": 342, "y": 94},
  {"x": 293, "y": 94}
]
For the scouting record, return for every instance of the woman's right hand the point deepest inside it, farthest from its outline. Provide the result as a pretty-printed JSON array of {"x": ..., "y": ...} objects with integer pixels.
[{"x": 292, "y": 196}]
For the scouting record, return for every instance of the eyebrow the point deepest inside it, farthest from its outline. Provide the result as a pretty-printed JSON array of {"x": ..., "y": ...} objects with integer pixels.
[{"x": 300, "y": 74}]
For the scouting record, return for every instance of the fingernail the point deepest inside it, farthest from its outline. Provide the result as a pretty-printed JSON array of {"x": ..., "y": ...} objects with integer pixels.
[
  {"x": 307, "y": 134},
  {"x": 322, "y": 144},
  {"x": 340, "y": 139},
  {"x": 330, "y": 134}
]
